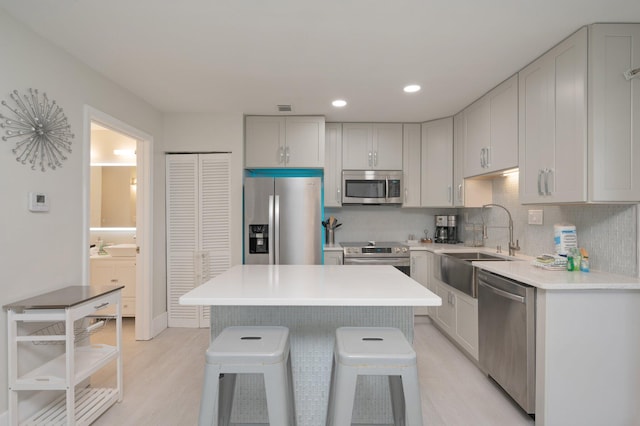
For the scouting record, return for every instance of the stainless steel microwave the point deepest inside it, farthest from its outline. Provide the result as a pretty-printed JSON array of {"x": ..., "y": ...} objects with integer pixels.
[{"x": 372, "y": 187}]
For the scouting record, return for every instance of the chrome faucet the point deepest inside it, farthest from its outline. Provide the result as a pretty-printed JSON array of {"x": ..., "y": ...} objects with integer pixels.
[{"x": 512, "y": 247}]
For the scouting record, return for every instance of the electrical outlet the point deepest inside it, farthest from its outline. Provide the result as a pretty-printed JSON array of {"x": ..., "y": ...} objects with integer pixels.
[{"x": 535, "y": 217}]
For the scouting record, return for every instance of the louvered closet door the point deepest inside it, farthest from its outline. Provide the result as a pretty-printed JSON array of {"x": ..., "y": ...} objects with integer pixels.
[
  {"x": 214, "y": 219},
  {"x": 182, "y": 236},
  {"x": 198, "y": 229}
]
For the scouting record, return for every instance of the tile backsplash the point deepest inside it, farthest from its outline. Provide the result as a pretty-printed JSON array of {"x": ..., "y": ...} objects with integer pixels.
[{"x": 608, "y": 232}]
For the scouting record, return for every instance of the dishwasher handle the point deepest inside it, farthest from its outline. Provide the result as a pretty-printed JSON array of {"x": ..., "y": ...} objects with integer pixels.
[{"x": 500, "y": 292}]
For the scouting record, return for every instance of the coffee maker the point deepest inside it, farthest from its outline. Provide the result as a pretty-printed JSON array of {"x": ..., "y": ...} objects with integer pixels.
[{"x": 446, "y": 229}]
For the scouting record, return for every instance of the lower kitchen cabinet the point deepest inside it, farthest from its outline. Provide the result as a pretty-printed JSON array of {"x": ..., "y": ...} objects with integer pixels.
[
  {"x": 420, "y": 269},
  {"x": 457, "y": 317},
  {"x": 117, "y": 271},
  {"x": 333, "y": 258}
]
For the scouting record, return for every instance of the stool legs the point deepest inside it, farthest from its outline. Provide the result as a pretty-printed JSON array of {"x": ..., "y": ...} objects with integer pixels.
[
  {"x": 227, "y": 388},
  {"x": 279, "y": 404},
  {"x": 342, "y": 396},
  {"x": 209, "y": 401}
]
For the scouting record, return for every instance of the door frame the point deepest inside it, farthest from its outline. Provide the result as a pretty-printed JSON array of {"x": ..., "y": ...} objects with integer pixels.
[{"x": 144, "y": 234}]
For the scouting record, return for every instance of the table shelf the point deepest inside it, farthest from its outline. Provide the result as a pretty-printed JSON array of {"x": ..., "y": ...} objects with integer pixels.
[
  {"x": 69, "y": 371},
  {"x": 89, "y": 404}
]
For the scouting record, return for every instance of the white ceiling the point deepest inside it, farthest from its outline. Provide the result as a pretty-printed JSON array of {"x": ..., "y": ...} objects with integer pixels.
[{"x": 250, "y": 55}]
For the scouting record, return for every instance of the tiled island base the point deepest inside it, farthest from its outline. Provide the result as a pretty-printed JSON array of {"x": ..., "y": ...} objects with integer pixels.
[{"x": 312, "y": 334}]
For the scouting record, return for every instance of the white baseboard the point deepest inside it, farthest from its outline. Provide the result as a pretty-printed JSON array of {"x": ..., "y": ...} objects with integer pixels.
[{"x": 159, "y": 324}]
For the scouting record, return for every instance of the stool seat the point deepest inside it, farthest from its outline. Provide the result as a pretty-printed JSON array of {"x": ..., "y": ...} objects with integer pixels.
[
  {"x": 373, "y": 346},
  {"x": 240, "y": 345},
  {"x": 242, "y": 350},
  {"x": 374, "y": 351}
]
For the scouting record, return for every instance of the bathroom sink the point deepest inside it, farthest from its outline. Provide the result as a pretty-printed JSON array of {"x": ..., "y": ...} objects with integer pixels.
[{"x": 121, "y": 250}]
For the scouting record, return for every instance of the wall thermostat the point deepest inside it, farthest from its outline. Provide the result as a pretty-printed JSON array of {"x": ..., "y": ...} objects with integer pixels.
[{"x": 38, "y": 202}]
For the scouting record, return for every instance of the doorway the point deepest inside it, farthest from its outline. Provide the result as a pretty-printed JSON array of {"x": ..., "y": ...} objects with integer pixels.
[{"x": 118, "y": 210}]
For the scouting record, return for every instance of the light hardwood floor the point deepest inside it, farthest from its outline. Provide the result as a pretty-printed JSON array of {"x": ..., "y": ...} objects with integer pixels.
[{"x": 163, "y": 379}]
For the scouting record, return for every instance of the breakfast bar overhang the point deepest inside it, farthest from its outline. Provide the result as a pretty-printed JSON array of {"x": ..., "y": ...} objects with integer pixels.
[{"x": 312, "y": 300}]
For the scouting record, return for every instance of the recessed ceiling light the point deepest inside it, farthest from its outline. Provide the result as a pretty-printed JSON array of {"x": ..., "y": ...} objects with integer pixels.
[
  {"x": 339, "y": 103},
  {"x": 412, "y": 88}
]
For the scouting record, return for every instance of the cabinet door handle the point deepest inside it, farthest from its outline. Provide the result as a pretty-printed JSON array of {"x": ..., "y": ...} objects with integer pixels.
[
  {"x": 487, "y": 155},
  {"x": 375, "y": 158},
  {"x": 280, "y": 155},
  {"x": 114, "y": 280},
  {"x": 460, "y": 193},
  {"x": 482, "y": 158},
  {"x": 286, "y": 155},
  {"x": 540, "y": 172},
  {"x": 547, "y": 172},
  {"x": 450, "y": 193},
  {"x": 370, "y": 159},
  {"x": 102, "y": 305},
  {"x": 405, "y": 194},
  {"x": 338, "y": 194}
]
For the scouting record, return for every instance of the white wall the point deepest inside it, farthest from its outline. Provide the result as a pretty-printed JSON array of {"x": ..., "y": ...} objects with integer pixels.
[{"x": 40, "y": 252}]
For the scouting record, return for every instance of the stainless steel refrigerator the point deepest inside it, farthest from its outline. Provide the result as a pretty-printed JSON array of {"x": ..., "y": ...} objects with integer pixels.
[{"x": 283, "y": 220}]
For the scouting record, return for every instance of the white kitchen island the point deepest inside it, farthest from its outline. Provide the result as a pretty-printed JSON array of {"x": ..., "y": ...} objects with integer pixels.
[{"x": 312, "y": 300}]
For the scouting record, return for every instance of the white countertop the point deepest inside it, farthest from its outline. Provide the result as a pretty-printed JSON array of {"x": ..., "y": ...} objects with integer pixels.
[
  {"x": 521, "y": 269},
  {"x": 311, "y": 285},
  {"x": 560, "y": 280}
]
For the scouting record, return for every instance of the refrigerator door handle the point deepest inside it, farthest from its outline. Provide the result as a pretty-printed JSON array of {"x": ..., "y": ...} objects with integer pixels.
[
  {"x": 270, "y": 233},
  {"x": 276, "y": 231}
]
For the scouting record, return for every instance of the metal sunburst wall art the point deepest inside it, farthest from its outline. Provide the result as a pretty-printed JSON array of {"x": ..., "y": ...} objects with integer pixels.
[{"x": 40, "y": 129}]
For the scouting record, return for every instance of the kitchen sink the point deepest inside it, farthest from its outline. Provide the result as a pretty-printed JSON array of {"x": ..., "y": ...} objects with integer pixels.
[
  {"x": 471, "y": 256},
  {"x": 456, "y": 269}
]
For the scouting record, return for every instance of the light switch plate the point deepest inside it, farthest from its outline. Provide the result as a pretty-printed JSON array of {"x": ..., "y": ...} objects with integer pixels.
[{"x": 535, "y": 217}]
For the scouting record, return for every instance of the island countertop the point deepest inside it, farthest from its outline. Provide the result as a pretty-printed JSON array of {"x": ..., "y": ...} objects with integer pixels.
[{"x": 311, "y": 285}]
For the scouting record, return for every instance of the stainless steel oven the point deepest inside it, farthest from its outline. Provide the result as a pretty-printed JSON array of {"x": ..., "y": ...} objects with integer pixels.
[{"x": 378, "y": 253}]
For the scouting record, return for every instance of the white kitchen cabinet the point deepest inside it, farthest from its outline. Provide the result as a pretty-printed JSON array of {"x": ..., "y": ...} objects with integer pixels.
[
  {"x": 63, "y": 317},
  {"x": 437, "y": 163},
  {"x": 198, "y": 226},
  {"x": 457, "y": 316},
  {"x": 333, "y": 165},
  {"x": 116, "y": 271},
  {"x": 614, "y": 113},
  {"x": 372, "y": 146},
  {"x": 294, "y": 141},
  {"x": 419, "y": 270},
  {"x": 333, "y": 257},
  {"x": 446, "y": 313},
  {"x": 466, "y": 192},
  {"x": 411, "y": 164},
  {"x": 491, "y": 130},
  {"x": 467, "y": 323},
  {"x": 553, "y": 124}
]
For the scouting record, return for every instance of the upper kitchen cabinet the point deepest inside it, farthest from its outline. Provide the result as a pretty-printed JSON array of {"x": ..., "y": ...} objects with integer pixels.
[
  {"x": 411, "y": 166},
  {"x": 333, "y": 165},
  {"x": 372, "y": 146},
  {"x": 553, "y": 124},
  {"x": 295, "y": 141},
  {"x": 466, "y": 192},
  {"x": 491, "y": 131},
  {"x": 614, "y": 112},
  {"x": 579, "y": 138},
  {"x": 437, "y": 163}
]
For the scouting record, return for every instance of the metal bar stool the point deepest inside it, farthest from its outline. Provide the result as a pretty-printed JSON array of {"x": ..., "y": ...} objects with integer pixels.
[
  {"x": 248, "y": 350},
  {"x": 374, "y": 351}
]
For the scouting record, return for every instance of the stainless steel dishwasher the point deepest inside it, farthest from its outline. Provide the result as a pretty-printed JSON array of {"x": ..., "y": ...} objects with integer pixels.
[{"x": 506, "y": 336}]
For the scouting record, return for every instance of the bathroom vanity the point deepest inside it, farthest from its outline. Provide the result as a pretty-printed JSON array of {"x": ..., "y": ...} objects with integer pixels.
[{"x": 119, "y": 270}]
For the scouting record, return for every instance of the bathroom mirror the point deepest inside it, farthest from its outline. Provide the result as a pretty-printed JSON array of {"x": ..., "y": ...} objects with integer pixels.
[{"x": 113, "y": 197}]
